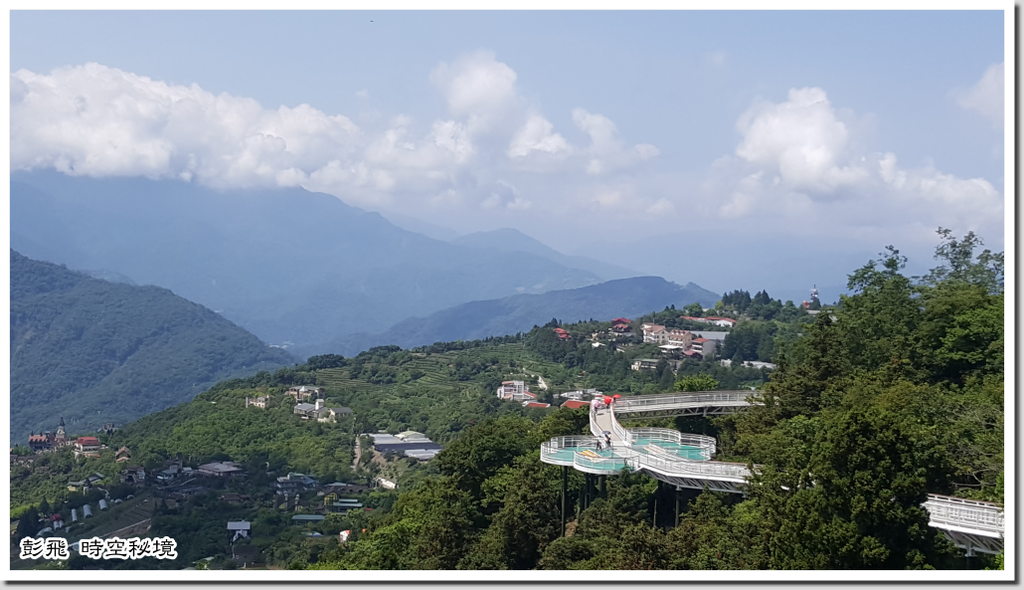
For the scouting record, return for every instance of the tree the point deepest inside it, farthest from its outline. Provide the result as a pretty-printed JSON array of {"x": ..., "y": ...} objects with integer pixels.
[
  {"x": 958, "y": 265},
  {"x": 694, "y": 310},
  {"x": 700, "y": 382},
  {"x": 850, "y": 497}
]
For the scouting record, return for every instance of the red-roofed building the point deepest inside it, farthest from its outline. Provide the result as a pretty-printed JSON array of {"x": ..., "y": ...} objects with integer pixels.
[
  {"x": 562, "y": 334},
  {"x": 87, "y": 443},
  {"x": 705, "y": 346},
  {"x": 536, "y": 405},
  {"x": 573, "y": 404},
  {"x": 621, "y": 325}
]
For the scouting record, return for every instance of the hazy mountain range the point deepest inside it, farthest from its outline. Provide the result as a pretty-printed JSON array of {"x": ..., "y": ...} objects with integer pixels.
[
  {"x": 287, "y": 265},
  {"x": 519, "y": 313}
]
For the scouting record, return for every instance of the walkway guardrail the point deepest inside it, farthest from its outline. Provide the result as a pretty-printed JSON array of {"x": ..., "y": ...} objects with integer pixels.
[
  {"x": 599, "y": 465},
  {"x": 982, "y": 517},
  {"x": 671, "y": 465},
  {"x": 706, "y": 444},
  {"x": 641, "y": 403}
]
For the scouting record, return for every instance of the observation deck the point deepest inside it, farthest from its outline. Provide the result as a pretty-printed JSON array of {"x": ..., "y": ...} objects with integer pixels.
[{"x": 684, "y": 460}]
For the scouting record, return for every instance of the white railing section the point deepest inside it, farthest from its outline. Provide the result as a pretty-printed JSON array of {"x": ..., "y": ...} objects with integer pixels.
[
  {"x": 567, "y": 442},
  {"x": 608, "y": 464},
  {"x": 969, "y": 514},
  {"x": 706, "y": 444},
  {"x": 669, "y": 464},
  {"x": 620, "y": 431},
  {"x": 641, "y": 403}
]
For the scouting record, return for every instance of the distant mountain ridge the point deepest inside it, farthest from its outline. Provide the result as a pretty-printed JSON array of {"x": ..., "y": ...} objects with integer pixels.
[
  {"x": 512, "y": 240},
  {"x": 630, "y": 297},
  {"x": 288, "y": 265},
  {"x": 93, "y": 351}
]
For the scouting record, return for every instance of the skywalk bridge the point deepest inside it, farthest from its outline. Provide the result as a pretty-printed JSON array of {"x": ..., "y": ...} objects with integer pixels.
[{"x": 684, "y": 460}]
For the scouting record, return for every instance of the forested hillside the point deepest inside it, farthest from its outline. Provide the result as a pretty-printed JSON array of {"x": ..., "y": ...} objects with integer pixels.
[{"x": 97, "y": 352}]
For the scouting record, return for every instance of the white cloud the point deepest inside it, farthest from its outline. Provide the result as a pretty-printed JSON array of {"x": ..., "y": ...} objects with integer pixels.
[
  {"x": 606, "y": 152},
  {"x": 536, "y": 135},
  {"x": 986, "y": 96},
  {"x": 100, "y": 121},
  {"x": 801, "y": 139}
]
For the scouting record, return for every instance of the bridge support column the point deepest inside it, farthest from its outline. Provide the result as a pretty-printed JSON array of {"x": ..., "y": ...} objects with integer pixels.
[
  {"x": 676, "y": 494},
  {"x": 565, "y": 485},
  {"x": 603, "y": 490}
]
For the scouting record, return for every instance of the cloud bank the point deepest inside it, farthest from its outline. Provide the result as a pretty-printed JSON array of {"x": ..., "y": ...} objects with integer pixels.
[{"x": 493, "y": 152}]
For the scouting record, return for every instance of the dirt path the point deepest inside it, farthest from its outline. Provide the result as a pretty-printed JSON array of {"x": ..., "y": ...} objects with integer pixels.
[{"x": 359, "y": 452}]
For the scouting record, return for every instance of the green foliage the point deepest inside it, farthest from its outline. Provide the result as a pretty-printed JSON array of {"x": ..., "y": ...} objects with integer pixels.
[{"x": 701, "y": 382}]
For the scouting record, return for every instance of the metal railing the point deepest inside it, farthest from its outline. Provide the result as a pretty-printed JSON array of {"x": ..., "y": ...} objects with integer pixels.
[
  {"x": 642, "y": 403},
  {"x": 964, "y": 513},
  {"x": 672, "y": 465},
  {"x": 706, "y": 444},
  {"x": 616, "y": 462}
]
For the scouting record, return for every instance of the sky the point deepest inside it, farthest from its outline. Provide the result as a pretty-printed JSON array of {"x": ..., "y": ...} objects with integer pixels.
[{"x": 734, "y": 149}]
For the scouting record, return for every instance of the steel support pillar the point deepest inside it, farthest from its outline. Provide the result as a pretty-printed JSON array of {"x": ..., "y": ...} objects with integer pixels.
[{"x": 565, "y": 486}]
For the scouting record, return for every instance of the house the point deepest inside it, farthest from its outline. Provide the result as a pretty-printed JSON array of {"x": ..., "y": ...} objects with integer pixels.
[
  {"x": 704, "y": 346},
  {"x": 307, "y": 518},
  {"x": 344, "y": 488},
  {"x": 133, "y": 475},
  {"x": 716, "y": 336},
  {"x": 654, "y": 333},
  {"x": 343, "y": 505},
  {"x": 515, "y": 391},
  {"x": 122, "y": 455},
  {"x": 220, "y": 469},
  {"x": 535, "y": 405},
  {"x": 332, "y": 414},
  {"x": 40, "y": 442},
  {"x": 294, "y": 482},
  {"x": 562, "y": 334},
  {"x": 240, "y": 528},
  {"x": 87, "y": 443},
  {"x": 257, "y": 402},
  {"x": 644, "y": 364},
  {"x": 305, "y": 392},
  {"x": 621, "y": 325},
  {"x": 573, "y": 404}
]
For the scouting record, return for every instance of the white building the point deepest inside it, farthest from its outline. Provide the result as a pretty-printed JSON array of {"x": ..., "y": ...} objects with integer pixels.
[{"x": 515, "y": 391}]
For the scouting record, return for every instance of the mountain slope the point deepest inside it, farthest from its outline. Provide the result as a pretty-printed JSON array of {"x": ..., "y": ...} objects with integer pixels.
[
  {"x": 287, "y": 265},
  {"x": 512, "y": 240},
  {"x": 97, "y": 352},
  {"x": 519, "y": 313}
]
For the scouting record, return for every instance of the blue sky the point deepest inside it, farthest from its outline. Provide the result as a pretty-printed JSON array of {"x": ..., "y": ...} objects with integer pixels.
[{"x": 731, "y": 149}]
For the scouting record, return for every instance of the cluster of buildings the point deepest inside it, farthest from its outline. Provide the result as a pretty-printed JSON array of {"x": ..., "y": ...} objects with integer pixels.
[
  {"x": 562, "y": 334},
  {"x": 49, "y": 440},
  {"x": 679, "y": 343}
]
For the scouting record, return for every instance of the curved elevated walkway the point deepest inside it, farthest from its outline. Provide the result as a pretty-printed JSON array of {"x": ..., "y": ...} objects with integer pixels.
[{"x": 684, "y": 460}]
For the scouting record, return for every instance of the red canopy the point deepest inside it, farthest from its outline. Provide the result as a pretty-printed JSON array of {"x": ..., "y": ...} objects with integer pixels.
[
  {"x": 607, "y": 400},
  {"x": 616, "y": 396}
]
